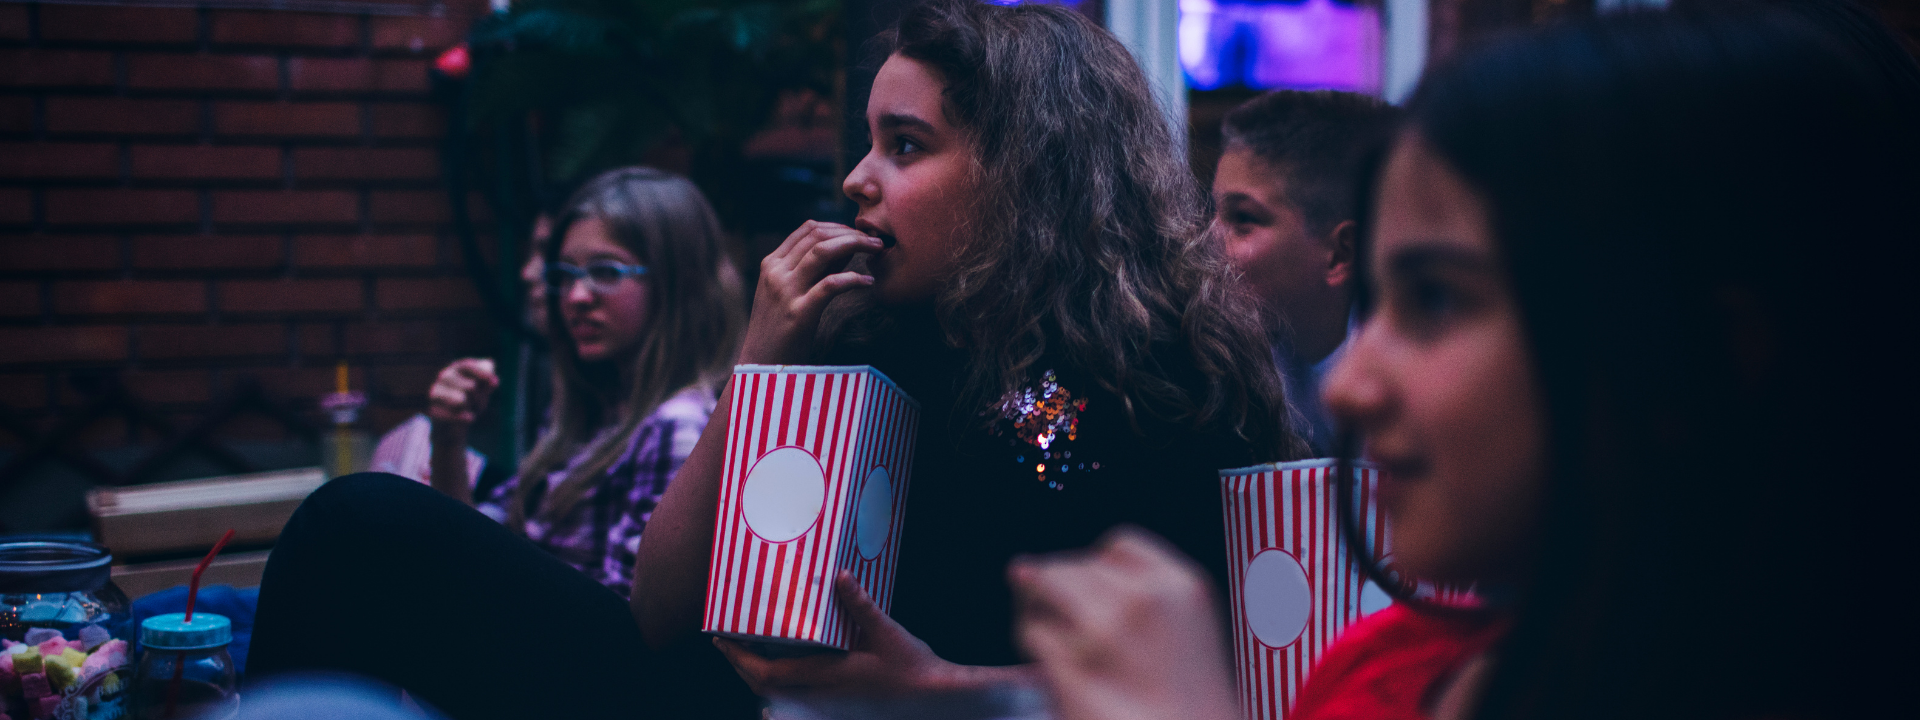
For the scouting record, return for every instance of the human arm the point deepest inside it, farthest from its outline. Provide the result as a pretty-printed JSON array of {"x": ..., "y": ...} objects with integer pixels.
[
  {"x": 458, "y": 396},
  {"x": 796, "y": 282},
  {"x": 1124, "y": 630}
]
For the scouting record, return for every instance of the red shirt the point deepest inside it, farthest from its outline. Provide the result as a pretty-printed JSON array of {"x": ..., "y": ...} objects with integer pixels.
[{"x": 1386, "y": 666}]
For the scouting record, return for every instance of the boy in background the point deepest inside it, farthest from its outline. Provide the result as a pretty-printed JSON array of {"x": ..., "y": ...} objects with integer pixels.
[{"x": 1285, "y": 203}]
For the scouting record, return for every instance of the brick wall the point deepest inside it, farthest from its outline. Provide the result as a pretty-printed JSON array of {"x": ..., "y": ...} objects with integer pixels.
[{"x": 193, "y": 197}]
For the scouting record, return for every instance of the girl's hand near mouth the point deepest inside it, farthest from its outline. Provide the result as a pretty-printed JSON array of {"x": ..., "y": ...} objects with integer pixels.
[{"x": 797, "y": 280}]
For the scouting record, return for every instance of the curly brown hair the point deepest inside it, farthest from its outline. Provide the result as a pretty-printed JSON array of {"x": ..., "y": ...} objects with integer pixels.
[{"x": 1087, "y": 242}]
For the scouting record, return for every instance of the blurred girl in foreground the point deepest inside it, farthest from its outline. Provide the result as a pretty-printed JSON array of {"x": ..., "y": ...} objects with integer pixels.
[{"x": 1635, "y": 361}]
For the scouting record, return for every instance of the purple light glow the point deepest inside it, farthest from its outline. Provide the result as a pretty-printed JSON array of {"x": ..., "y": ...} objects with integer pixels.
[{"x": 1307, "y": 44}]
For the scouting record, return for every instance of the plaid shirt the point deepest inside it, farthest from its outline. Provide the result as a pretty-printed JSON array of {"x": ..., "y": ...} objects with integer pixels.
[{"x": 601, "y": 534}]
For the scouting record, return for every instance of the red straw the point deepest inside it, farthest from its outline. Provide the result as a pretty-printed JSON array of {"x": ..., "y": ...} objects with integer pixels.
[
  {"x": 193, "y": 589},
  {"x": 193, "y": 593}
]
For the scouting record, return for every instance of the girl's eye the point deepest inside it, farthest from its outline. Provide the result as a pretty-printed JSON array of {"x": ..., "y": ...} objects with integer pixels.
[
  {"x": 903, "y": 146},
  {"x": 1427, "y": 304}
]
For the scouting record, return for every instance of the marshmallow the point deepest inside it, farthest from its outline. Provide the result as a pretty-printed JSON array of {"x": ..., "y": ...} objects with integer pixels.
[
  {"x": 44, "y": 709},
  {"x": 27, "y": 662},
  {"x": 40, "y": 635},
  {"x": 93, "y": 635},
  {"x": 64, "y": 668},
  {"x": 34, "y": 686},
  {"x": 53, "y": 648}
]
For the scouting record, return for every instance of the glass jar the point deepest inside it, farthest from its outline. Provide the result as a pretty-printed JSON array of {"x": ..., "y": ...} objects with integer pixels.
[
  {"x": 64, "y": 628},
  {"x": 184, "y": 670}
]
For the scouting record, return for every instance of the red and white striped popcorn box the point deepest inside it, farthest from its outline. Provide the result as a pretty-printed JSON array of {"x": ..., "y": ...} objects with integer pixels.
[
  {"x": 814, "y": 482},
  {"x": 1293, "y": 585}
]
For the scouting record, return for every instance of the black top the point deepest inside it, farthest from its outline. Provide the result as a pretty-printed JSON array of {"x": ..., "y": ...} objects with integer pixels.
[{"x": 977, "y": 497}]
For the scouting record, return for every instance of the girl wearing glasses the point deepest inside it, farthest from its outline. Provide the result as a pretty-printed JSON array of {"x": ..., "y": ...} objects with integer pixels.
[{"x": 642, "y": 312}]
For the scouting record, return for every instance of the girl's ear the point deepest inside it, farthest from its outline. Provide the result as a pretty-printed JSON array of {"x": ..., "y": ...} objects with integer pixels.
[{"x": 1340, "y": 262}]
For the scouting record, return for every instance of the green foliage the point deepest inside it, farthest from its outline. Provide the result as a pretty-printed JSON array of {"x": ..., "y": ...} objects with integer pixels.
[{"x": 608, "y": 80}]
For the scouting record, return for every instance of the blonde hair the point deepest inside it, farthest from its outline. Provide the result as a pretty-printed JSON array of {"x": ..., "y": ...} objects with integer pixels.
[{"x": 691, "y": 338}]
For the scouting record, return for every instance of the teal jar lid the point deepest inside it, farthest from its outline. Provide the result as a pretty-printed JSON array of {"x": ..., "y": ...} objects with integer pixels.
[{"x": 173, "y": 632}]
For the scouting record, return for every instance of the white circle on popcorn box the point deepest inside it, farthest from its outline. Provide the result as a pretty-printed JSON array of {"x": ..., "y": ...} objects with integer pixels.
[
  {"x": 784, "y": 494},
  {"x": 873, "y": 520},
  {"x": 1276, "y": 598}
]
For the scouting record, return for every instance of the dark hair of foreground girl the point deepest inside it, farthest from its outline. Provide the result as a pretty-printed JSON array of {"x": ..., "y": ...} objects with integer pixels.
[{"x": 1707, "y": 221}]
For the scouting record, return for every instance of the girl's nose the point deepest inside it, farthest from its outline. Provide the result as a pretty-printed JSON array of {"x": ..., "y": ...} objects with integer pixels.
[
  {"x": 859, "y": 185},
  {"x": 1356, "y": 392},
  {"x": 580, "y": 292}
]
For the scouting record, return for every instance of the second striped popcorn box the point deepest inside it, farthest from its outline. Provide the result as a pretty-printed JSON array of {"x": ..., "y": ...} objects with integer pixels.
[
  {"x": 1293, "y": 584},
  {"x": 814, "y": 482}
]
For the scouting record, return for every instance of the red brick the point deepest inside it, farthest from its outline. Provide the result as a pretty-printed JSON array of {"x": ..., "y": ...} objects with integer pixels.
[
  {"x": 122, "y": 206},
  {"x": 419, "y": 34},
  {"x": 171, "y": 71},
  {"x": 285, "y": 28},
  {"x": 16, "y": 113},
  {"x": 120, "y": 115},
  {"x": 384, "y": 419},
  {"x": 306, "y": 382},
  {"x": 58, "y": 252},
  {"x": 410, "y": 206},
  {"x": 357, "y": 75},
  {"x": 19, "y": 299},
  {"x": 367, "y": 163},
  {"x": 87, "y": 343},
  {"x": 286, "y": 206},
  {"x": 392, "y": 338},
  {"x": 169, "y": 386},
  {"x": 16, "y": 205},
  {"x": 277, "y": 118},
  {"x": 212, "y": 341},
  {"x": 365, "y": 250},
  {"x": 13, "y": 22},
  {"x": 407, "y": 120},
  {"x": 130, "y": 296},
  {"x": 23, "y": 391},
  {"x": 21, "y": 66},
  {"x": 254, "y": 428},
  {"x": 204, "y": 161},
  {"x": 267, "y": 296},
  {"x": 404, "y": 381},
  {"x": 316, "y": 339},
  {"x": 59, "y": 160},
  {"x": 118, "y": 24},
  {"x": 425, "y": 294},
  {"x": 173, "y": 252}
]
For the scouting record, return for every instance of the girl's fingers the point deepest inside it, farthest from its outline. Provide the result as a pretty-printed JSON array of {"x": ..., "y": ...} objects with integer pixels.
[
  {"x": 793, "y": 237},
  {"x": 831, "y": 255},
  {"x": 480, "y": 372},
  {"x": 831, "y": 286},
  {"x": 801, "y": 262},
  {"x": 810, "y": 232}
]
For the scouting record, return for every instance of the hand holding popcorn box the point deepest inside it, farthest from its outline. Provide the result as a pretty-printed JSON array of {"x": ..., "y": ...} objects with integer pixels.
[
  {"x": 814, "y": 482},
  {"x": 1293, "y": 584}
]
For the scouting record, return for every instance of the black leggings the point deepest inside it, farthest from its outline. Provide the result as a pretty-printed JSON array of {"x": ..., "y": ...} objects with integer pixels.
[{"x": 383, "y": 577}]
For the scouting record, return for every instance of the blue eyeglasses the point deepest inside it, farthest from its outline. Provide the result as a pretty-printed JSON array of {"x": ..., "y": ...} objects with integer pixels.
[{"x": 600, "y": 276}]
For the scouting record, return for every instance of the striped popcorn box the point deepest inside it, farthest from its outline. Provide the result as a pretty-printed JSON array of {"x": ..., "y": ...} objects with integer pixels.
[
  {"x": 815, "y": 482},
  {"x": 1293, "y": 585}
]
